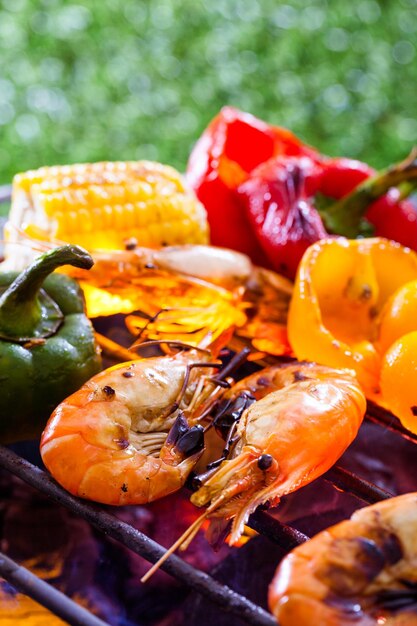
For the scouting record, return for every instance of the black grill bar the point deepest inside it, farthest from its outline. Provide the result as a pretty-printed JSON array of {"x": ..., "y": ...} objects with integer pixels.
[
  {"x": 45, "y": 594},
  {"x": 139, "y": 543},
  {"x": 384, "y": 418},
  {"x": 279, "y": 533},
  {"x": 351, "y": 483}
]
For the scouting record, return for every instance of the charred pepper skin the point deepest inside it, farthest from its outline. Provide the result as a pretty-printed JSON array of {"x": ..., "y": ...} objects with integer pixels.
[
  {"x": 37, "y": 372},
  {"x": 231, "y": 147},
  {"x": 277, "y": 200}
]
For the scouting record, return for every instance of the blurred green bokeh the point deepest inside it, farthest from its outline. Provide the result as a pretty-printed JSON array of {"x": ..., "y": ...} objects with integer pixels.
[{"x": 140, "y": 79}]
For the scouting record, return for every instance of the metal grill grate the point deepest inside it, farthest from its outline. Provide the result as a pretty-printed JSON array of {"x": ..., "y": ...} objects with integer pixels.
[
  {"x": 261, "y": 521},
  {"x": 226, "y": 599}
]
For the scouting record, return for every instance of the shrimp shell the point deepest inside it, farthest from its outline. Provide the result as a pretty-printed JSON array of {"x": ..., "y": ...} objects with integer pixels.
[
  {"x": 362, "y": 571},
  {"x": 304, "y": 417},
  {"x": 108, "y": 441}
]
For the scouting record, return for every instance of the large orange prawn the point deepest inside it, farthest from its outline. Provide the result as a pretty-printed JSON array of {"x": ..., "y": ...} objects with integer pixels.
[
  {"x": 361, "y": 571},
  {"x": 131, "y": 434},
  {"x": 286, "y": 425},
  {"x": 304, "y": 417}
]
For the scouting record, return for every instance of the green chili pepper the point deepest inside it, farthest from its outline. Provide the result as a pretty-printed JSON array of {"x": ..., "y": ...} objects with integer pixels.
[{"x": 47, "y": 345}]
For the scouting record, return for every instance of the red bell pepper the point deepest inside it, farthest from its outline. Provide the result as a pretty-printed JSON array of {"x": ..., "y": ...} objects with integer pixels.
[
  {"x": 376, "y": 198},
  {"x": 394, "y": 218},
  {"x": 277, "y": 199},
  {"x": 281, "y": 202},
  {"x": 233, "y": 145},
  {"x": 266, "y": 192},
  {"x": 340, "y": 176},
  {"x": 390, "y": 215}
]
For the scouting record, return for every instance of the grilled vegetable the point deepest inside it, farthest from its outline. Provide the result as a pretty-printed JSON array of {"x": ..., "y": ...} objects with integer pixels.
[
  {"x": 47, "y": 346},
  {"x": 350, "y": 302},
  {"x": 277, "y": 202},
  {"x": 107, "y": 205},
  {"x": 378, "y": 197},
  {"x": 290, "y": 203},
  {"x": 269, "y": 195},
  {"x": 233, "y": 145}
]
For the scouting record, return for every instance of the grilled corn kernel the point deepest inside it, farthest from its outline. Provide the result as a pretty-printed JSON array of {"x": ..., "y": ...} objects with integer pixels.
[{"x": 102, "y": 205}]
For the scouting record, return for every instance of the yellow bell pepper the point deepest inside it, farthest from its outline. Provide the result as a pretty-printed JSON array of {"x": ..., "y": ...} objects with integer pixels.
[{"x": 344, "y": 310}]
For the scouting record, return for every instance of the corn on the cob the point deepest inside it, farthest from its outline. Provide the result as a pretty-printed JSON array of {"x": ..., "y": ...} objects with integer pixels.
[{"x": 106, "y": 205}]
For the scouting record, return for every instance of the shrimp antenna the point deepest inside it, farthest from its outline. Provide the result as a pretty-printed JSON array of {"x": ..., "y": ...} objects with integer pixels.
[
  {"x": 218, "y": 381},
  {"x": 52, "y": 242},
  {"x": 151, "y": 319},
  {"x": 167, "y": 342},
  {"x": 184, "y": 541},
  {"x": 236, "y": 361},
  {"x": 36, "y": 245},
  {"x": 184, "y": 385}
]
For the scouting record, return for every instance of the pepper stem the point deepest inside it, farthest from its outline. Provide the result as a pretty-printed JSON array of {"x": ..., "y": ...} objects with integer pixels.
[
  {"x": 22, "y": 313},
  {"x": 344, "y": 217}
]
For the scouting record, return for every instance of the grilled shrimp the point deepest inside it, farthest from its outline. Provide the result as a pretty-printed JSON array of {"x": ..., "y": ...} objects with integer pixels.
[
  {"x": 130, "y": 434},
  {"x": 179, "y": 292},
  {"x": 288, "y": 425},
  {"x": 361, "y": 571},
  {"x": 121, "y": 273}
]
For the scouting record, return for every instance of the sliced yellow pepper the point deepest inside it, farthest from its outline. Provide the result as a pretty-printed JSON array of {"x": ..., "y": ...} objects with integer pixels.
[{"x": 338, "y": 301}]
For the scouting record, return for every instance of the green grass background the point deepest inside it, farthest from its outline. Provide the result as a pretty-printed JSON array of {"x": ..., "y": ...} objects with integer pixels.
[{"x": 134, "y": 79}]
